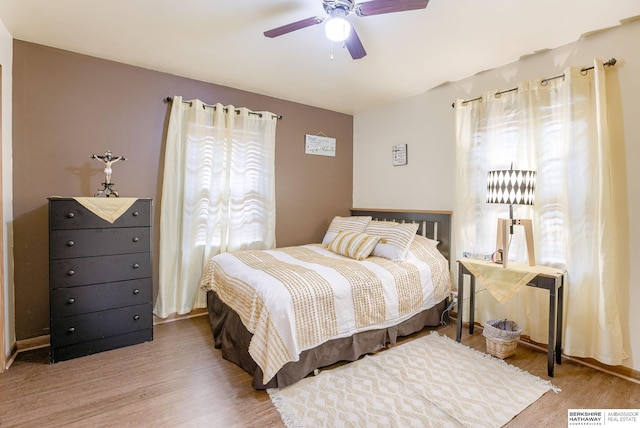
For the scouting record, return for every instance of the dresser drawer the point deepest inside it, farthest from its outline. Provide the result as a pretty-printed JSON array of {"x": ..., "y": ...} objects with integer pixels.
[
  {"x": 101, "y": 269},
  {"x": 65, "y": 244},
  {"x": 99, "y": 297},
  {"x": 81, "y": 349},
  {"x": 70, "y": 214},
  {"x": 97, "y": 325}
]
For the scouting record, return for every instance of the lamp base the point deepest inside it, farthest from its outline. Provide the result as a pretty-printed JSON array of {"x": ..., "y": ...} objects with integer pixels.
[{"x": 502, "y": 241}]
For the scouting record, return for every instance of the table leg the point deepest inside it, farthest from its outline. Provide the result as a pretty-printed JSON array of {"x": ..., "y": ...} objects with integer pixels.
[
  {"x": 552, "y": 330},
  {"x": 460, "y": 303},
  {"x": 472, "y": 302},
  {"x": 559, "y": 321}
]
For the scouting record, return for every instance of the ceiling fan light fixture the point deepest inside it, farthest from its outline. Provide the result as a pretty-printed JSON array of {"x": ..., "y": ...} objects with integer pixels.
[{"x": 336, "y": 27}]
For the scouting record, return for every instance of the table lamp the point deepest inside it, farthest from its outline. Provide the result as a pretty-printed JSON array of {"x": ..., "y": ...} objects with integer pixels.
[{"x": 512, "y": 187}]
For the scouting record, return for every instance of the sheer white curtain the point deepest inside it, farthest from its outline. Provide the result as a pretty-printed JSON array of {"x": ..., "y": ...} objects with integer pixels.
[
  {"x": 558, "y": 128},
  {"x": 218, "y": 194}
]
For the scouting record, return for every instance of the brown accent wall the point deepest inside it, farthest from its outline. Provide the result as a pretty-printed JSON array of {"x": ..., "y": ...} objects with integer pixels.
[{"x": 67, "y": 106}]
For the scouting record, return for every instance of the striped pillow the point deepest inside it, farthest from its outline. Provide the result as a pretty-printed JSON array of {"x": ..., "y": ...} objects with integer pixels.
[
  {"x": 356, "y": 223},
  {"x": 395, "y": 238},
  {"x": 356, "y": 245}
]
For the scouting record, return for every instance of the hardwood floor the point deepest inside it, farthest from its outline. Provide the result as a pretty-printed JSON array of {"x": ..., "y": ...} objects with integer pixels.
[{"x": 180, "y": 379}]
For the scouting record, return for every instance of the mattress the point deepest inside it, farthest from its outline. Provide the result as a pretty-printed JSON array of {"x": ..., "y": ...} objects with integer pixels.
[{"x": 295, "y": 299}]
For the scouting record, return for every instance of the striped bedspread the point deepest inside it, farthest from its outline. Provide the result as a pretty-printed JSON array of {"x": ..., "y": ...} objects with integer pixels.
[{"x": 295, "y": 298}]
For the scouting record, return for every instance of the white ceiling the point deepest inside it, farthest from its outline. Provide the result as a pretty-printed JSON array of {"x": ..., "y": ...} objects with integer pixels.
[{"x": 221, "y": 41}]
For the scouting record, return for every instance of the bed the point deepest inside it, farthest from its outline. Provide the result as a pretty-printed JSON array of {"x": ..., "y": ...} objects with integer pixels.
[{"x": 377, "y": 275}]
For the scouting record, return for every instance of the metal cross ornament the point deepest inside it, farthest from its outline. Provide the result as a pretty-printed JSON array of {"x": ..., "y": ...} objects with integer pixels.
[{"x": 108, "y": 159}]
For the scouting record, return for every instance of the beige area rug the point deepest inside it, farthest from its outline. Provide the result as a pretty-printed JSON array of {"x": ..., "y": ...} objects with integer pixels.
[{"x": 431, "y": 381}]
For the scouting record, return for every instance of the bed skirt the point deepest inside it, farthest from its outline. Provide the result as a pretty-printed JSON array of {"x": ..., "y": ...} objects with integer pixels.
[{"x": 233, "y": 338}]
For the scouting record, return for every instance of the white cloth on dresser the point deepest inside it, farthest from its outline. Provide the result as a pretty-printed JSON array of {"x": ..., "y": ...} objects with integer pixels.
[{"x": 109, "y": 209}]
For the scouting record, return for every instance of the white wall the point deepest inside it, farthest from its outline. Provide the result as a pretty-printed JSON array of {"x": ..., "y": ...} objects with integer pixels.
[
  {"x": 426, "y": 123},
  {"x": 6, "y": 60}
]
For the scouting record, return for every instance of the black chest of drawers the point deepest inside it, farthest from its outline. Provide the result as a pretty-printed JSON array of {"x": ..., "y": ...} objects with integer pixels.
[{"x": 100, "y": 279}]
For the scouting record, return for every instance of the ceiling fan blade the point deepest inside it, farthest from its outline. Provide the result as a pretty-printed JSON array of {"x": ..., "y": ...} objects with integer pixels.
[
  {"x": 378, "y": 7},
  {"x": 354, "y": 45},
  {"x": 298, "y": 25}
]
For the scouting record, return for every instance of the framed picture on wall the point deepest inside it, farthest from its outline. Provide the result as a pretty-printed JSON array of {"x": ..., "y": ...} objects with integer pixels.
[
  {"x": 400, "y": 155},
  {"x": 319, "y": 145}
]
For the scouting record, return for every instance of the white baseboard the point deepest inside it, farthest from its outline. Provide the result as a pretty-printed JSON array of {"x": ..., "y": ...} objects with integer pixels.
[{"x": 175, "y": 317}]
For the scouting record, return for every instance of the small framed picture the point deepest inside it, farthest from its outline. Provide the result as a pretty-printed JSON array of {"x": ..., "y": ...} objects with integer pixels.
[
  {"x": 400, "y": 155},
  {"x": 319, "y": 145}
]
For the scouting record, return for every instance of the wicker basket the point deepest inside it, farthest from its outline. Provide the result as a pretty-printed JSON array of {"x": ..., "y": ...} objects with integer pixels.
[
  {"x": 501, "y": 337},
  {"x": 501, "y": 348}
]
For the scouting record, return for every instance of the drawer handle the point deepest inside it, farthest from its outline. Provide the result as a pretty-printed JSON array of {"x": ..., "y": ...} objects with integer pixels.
[
  {"x": 70, "y": 215},
  {"x": 70, "y": 243},
  {"x": 71, "y": 330},
  {"x": 71, "y": 272},
  {"x": 136, "y": 265},
  {"x": 71, "y": 301},
  {"x": 136, "y": 291},
  {"x": 136, "y": 239},
  {"x": 136, "y": 214},
  {"x": 136, "y": 317}
]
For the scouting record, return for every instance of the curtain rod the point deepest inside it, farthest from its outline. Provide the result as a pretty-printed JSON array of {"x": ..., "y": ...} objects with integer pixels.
[
  {"x": 609, "y": 63},
  {"x": 170, "y": 99}
]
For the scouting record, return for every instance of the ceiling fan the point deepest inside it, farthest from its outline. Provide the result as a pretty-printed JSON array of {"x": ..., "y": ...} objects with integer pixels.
[{"x": 338, "y": 29}]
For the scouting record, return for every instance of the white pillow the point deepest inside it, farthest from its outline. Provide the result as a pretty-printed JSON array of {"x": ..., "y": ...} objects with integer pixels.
[
  {"x": 356, "y": 245},
  {"x": 395, "y": 238},
  {"x": 423, "y": 249},
  {"x": 426, "y": 241},
  {"x": 354, "y": 223}
]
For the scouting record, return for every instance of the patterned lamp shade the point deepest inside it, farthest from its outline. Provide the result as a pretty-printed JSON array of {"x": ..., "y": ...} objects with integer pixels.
[{"x": 513, "y": 187}]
